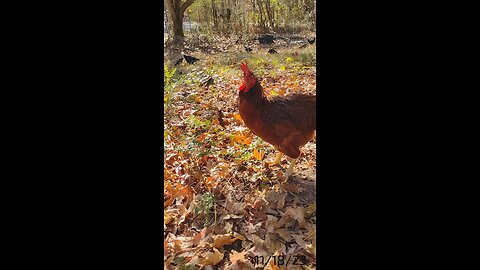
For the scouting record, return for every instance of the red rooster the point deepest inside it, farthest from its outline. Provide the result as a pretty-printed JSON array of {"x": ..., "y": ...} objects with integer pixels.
[{"x": 285, "y": 122}]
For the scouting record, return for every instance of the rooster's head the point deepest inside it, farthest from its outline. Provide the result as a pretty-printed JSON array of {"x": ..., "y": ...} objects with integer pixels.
[{"x": 249, "y": 79}]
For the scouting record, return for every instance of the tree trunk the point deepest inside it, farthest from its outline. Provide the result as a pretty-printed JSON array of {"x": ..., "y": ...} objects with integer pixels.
[
  {"x": 214, "y": 15},
  {"x": 178, "y": 26},
  {"x": 269, "y": 9},
  {"x": 176, "y": 9}
]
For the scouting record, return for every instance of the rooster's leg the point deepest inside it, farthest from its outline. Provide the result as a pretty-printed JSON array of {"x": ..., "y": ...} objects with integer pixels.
[
  {"x": 277, "y": 159},
  {"x": 290, "y": 169}
]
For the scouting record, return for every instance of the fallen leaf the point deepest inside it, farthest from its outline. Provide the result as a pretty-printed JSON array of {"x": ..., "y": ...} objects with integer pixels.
[
  {"x": 167, "y": 218},
  {"x": 238, "y": 207},
  {"x": 259, "y": 203},
  {"x": 237, "y": 256},
  {"x": 241, "y": 265},
  {"x": 202, "y": 137},
  {"x": 238, "y": 117},
  {"x": 253, "y": 228},
  {"x": 194, "y": 261},
  {"x": 281, "y": 200},
  {"x": 284, "y": 234},
  {"x": 307, "y": 247},
  {"x": 274, "y": 244},
  {"x": 225, "y": 239},
  {"x": 271, "y": 223},
  {"x": 210, "y": 182},
  {"x": 274, "y": 265},
  {"x": 258, "y": 155},
  {"x": 310, "y": 209},
  {"x": 289, "y": 187},
  {"x": 212, "y": 258},
  {"x": 292, "y": 213},
  {"x": 201, "y": 235},
  {"x": 242, "y": 139}
]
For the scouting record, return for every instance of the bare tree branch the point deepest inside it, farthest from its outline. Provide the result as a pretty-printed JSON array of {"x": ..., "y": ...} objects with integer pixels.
[{"x": 186, "y": 5}]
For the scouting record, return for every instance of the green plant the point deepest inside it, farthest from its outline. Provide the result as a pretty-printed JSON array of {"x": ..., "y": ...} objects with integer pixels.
[
  {"x": 205, "y": 207},
  {"x": 168, "y": 88},
  {"x": 188, "y": 267}
]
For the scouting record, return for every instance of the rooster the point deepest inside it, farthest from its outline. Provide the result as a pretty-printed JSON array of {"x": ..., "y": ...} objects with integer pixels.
[{"x": 285, "y": 122}]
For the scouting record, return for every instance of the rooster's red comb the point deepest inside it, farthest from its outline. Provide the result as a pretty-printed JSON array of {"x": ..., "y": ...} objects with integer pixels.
[{"x": 244, "y": 67}]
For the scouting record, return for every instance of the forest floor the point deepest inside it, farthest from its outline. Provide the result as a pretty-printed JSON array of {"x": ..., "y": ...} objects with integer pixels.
[{"x": 225, "y": 205}]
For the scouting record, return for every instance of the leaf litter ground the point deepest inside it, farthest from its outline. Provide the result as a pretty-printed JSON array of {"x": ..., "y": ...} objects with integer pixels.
[{"x": 224, "y": 202}]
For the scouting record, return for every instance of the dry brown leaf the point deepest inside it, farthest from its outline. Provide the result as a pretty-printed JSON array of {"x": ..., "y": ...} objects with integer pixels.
[
  {"x": 168, "y": 202},
  {"x": 289, "y": 187},
  {"x": 258, "y": 155},
  {"x": 194, "y": 261},
  {"x": 228, "y": 226},
  {"x": 167, "y": 217},
  {"x": 201, "y": 235},
  {"x": 171, "y": 158},
  {"x": 230, "y": 216},
  {"x": 271, "y": 223},
  {"x": 238, "y": 117},
  {"x": 238, "y": 207},
  {"x": 242, "y": 139},
  {"x": 237, "y": 256},
  {"x": 176, "y": 245},
  {"x": 302, "y": 243},
  {"x": 212, "y": 258},
  {"x": 297, "y": 214},
  {"x": 311, "y": 209},
  {"x": 292, "y": 213},
  {"x": 284, "y": 234},
  {"x": 253, "y": 228},
  {"x": 274, "y": 244},
  {"x": 259, "y": 203},
  {"x": 202, "y": 137},
  {"x": 225, "y": 239},
  {"x": 241, "y": 265},
  {"x": 168, "y": 261},
  {"x": 273, "y": 265},
  {"x": 210, "y": 182},
  {"x": 229, "y": 202},
  {"x": 183, "y": 213},
  {"x": 185, "y": 192},
  {"x": 312, "y": 232},
  {"x": 313, "y": 247},
  {"x": 258, "y": 248},
  {"x": 281, "y": 200},
  {"x": 232, "y": 206}
]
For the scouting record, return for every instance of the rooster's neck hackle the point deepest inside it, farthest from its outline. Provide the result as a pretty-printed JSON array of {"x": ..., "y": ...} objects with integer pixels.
[{"x": 255, "y": 95}]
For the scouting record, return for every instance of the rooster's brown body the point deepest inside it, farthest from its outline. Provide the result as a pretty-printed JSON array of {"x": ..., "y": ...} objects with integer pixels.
[{"x": 285, "y": 122}]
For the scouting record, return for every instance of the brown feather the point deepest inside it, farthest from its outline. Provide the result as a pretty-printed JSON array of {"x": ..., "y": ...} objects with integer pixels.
[{"x": 286, "y": 122}]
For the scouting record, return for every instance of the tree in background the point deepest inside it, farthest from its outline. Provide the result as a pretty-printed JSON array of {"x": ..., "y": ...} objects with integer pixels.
[
  {"x": 176, "y": 9},
  {"x": 240, "y": 19},
  {"x": 225, "y": 17}
]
